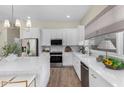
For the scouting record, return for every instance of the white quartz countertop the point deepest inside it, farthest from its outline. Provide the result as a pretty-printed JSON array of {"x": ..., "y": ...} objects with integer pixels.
[
  {"x": 114, "y": 77},
  {"x": 22, "y": 63},
  {"x": 26, "y": 65}
]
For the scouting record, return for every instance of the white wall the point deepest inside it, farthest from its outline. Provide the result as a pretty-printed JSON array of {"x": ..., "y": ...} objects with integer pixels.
[{"x": 52, "y": 24}]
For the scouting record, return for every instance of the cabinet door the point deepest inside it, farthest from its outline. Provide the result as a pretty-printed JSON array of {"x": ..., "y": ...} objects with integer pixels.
[
  {"x": 77, "y": 67},
  {"x": 64, "y": 37},
  {"x": 56, "y": 33},
  {"x": 81, "y": 33},
  {"x": 96, "y": 80},
  {"x": 71, "y": 36},
  {"x": 68, "y": 37},
  {"x": 67, "y": 59},
  {"x": 45, "y": 39},
  {"x": 59, "y": 34},
  {"x": 52, "y": 34},
  {"x": 30, "y": 33},
  {"x": 24, "y": 33},
  {"x": 75, "y": 37}
]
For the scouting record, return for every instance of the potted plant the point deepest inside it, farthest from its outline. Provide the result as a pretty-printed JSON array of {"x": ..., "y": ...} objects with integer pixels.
[{"x": 11, "y": 48}]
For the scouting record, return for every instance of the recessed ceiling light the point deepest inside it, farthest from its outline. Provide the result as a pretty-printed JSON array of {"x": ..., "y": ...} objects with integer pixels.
[
  {"x": 29, "y": 17},
  {"x": 68, "y": 16}
]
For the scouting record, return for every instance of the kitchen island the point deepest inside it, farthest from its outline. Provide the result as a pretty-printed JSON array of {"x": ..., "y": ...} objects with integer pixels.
[{"x": 40, "y": 66}]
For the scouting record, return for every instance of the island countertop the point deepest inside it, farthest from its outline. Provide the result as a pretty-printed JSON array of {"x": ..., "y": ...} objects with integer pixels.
[
  {"x": 114, "y": 77},
  {"x": 26, "y": 65}
]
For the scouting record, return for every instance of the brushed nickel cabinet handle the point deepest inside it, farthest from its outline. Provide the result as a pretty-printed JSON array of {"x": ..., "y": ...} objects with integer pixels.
[{"x": 93, "y": 76}]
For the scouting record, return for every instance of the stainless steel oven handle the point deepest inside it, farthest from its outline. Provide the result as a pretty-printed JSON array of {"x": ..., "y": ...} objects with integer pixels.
[{"x": 55, "y": 55}]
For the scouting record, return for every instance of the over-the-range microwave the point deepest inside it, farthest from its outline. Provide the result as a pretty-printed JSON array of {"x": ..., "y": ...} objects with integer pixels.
[{"x": 56, "y": 42}]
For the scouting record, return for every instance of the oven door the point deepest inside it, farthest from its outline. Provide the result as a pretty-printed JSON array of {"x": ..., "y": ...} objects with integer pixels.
[{"x": 55, "y": 59}]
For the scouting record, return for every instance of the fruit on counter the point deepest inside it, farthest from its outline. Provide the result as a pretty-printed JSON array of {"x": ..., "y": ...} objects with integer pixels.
[
  {"x": 114, "y": 63},
  {"x": 108, "y": 62}
]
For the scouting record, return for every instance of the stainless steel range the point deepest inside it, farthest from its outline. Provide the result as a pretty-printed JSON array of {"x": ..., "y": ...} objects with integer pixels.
[{"x": 56, "y": 59}]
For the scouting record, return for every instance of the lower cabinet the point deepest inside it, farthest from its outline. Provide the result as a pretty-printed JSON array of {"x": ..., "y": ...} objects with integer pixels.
[
  {"x": 77, "y": 66},
  {"x": 87, "y": 76},
  {"x": 67, "y": 59},
  {"x": 96, "y": 80}
]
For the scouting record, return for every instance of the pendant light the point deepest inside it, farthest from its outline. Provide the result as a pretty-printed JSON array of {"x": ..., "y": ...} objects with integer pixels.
[
  {"x": 6, "y": 23},
  {"x": 17, "y": 22},
  {"x": 28, "y": 22}
]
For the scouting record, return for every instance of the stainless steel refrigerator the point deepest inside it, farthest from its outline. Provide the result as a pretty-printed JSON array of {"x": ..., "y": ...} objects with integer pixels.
[{"x": 30, "y": 46}]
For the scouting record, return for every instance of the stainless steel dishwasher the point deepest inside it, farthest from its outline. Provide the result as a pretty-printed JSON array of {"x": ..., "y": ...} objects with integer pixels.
[{"x": 84, "y": 75}]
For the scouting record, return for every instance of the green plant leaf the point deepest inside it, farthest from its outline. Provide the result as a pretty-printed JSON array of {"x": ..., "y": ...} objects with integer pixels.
[{"x": 11, "y": 48}]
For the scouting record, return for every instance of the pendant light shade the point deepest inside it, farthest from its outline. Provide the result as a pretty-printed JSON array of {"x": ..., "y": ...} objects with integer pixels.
[
  {"x": 28, "y": 22},
  {"x": 17, "y": 23},
  {"x": 6, "y": 23}
]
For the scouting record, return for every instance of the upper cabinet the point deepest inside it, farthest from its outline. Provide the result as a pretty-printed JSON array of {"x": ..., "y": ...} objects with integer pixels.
[
  {"x": 81, "y": 33},
  {"x": 56, "y": 33},
  {"x": 45, "y": 37},
  {"x": 29, "y": 33},
  {"x": 69, "y": 36},
  {"x": 110, "y": 20}
]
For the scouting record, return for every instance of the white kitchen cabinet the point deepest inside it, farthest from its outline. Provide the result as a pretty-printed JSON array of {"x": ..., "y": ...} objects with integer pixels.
[
  {"x": 96, "y": 80},
  {"x": 48, "y": 34},
  {"x": 81, "y": 33},
  {"x": 29, "y": 33},
  {"x": 67, "y": 59},
  {"x": 45, "y": 37},
  {"x": 56, "y": 33},
  {"x": 53, "y": 34},
  {"x": 77, "y": 66},
  {"x": 64, "y": 38},
  {"x": 70, "y": 36}
]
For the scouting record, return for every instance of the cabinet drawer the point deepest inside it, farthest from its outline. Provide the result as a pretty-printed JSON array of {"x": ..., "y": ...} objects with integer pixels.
[{"x": 96, "y": 80}]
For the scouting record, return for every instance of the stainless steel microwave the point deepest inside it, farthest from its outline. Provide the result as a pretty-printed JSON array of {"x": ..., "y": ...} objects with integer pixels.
[{"x": 56, "y": 42}]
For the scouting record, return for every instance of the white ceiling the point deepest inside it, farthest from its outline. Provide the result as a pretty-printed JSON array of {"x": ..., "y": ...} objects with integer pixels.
[{"x": 44, "y": 12}]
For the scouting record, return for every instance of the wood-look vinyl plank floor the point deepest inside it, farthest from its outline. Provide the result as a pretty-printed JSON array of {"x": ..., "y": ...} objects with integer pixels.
[{"x": 63, "y": 77}]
